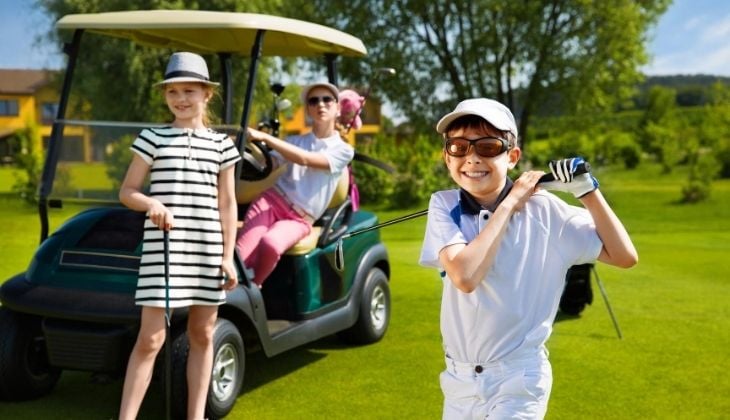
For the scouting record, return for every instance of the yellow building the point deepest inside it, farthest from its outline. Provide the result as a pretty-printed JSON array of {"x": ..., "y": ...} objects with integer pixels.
[{"x": 31, "y": 96}]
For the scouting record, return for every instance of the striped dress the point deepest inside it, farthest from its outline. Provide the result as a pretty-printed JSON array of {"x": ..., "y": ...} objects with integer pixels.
[{"x": 185, "y": 164}]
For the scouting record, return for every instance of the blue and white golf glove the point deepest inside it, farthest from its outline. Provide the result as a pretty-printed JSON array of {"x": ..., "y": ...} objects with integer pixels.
[{"x": 565, "y": 179}]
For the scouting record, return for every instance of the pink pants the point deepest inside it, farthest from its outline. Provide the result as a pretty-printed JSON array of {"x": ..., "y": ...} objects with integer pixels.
[{"x": 271, "y": 227}]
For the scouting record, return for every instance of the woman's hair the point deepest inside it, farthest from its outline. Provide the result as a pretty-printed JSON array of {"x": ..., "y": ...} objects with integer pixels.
[{"x": 478, "y": 123}]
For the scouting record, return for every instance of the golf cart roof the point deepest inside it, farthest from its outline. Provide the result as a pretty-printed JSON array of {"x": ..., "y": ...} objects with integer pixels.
[{"x": 218, "y": 32}]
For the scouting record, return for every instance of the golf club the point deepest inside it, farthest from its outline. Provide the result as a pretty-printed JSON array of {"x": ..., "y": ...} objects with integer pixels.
[
  {"x": 608, "y": 304},
  {"x": 168, "y": 341},
  {"x": 583, "y": 168},
  {"x": 387, "y": 71}
]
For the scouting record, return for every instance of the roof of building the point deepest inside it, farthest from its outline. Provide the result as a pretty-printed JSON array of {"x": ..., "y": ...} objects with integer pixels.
[{"x": 23, "y": 81}]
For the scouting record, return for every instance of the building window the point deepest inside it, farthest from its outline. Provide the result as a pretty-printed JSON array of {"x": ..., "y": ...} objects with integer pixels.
[
  {"x": 48, "y": 112},
  {"x": 9, "y": 107}
]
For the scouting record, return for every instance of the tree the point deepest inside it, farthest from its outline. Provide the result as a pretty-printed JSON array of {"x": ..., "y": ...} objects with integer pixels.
[
  {"x": 116, "y": 77},
  {"x": 576, "y": 56}
]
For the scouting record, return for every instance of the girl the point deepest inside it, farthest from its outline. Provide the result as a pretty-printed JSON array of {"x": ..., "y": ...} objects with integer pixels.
[
  {"x": 284, "y": 214},
  {"x": 192, "y": 196}
]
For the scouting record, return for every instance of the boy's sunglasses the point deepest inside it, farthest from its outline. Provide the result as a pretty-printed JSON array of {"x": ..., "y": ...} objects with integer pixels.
[
  {"x": 315, "y": 100},
  {"x": 484, "y": 146}
]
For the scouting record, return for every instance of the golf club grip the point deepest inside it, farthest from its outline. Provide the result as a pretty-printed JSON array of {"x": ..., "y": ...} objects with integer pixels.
[{"x": 582, "y": 168}]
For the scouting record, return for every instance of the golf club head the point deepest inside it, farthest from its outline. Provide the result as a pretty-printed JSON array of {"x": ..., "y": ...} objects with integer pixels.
[
  {"x": 277, "y": 88},
  {"x": 283, "y": 104},
  {"x": 388, "y": 71}
]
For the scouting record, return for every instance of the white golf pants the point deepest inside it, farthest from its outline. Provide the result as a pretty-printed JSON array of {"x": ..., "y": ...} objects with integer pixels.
[{"x": 517, "y": 388}]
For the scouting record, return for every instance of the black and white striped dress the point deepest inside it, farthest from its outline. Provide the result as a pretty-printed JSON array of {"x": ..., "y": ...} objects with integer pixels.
[{"x": 185, "y": 164}]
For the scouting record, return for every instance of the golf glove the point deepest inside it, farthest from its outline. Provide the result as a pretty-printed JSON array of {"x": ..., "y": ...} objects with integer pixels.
[{"x": 565, "y": 179}]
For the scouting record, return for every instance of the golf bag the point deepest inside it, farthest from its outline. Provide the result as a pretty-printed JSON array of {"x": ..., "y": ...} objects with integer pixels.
[{"x": 577, "y": 292}]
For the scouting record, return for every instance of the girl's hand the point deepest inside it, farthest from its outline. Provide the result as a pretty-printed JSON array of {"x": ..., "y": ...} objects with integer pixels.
[
  {"x": 229, "y": 275},
  {"x": 160, "y": 215},
  {"x": 523, "y": 188}
]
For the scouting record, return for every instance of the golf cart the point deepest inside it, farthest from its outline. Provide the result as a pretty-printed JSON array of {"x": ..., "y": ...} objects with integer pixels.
[{"x": 73, "y": 309}]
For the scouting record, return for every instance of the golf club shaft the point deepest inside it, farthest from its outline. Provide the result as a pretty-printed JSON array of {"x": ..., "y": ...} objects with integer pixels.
[
  {"x": 168, "y": 355},
  {"x": 387, "y": 223},
  {"x": 608, "y": 304},
  {"x": 581, "y": 169}
]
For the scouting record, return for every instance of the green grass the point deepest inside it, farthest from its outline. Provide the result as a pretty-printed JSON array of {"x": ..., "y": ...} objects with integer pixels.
[
  {"x": 7, "y": 178},
  {"x": 82, "y": 176},
  {"x": 673, "y": 309}
]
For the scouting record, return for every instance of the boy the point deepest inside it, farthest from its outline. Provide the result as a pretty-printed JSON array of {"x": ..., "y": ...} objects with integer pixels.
[{"x": 503, "y": 250}]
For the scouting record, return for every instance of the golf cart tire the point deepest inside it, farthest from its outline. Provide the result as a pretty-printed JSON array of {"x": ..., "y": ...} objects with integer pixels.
[
  {"x": 228, "y": 370},
  {"x": 374, "y": 313},
  {"x": 25, "y": 373},
  {"x": 229, "y": 362}
]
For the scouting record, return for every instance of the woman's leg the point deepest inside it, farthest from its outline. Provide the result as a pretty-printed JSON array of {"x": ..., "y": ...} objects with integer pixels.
[
  {"x": 259, "y": 216},
  {"x": 150, "y": 339},
  {"x": 281, "y": 236},
  {"x": 201, "y": 322}
]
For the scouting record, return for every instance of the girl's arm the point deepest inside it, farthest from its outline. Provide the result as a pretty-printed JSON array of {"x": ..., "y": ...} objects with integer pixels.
[
  {"x": 617, "y": 249},
  {"x": 468, "y": 264},
  {"x": 291, "y": 152},
  {"x": 130, "y": 194},
  {"x": 229, "y": 217}
]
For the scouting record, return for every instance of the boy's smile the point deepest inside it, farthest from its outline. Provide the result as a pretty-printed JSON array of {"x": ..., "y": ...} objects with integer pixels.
[{"x": 482, "y": 177}]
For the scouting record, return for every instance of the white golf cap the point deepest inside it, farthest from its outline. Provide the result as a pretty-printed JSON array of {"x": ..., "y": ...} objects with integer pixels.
[
  {"x": 329, "y": 86},
  {"x": 494, "y": 112},
  {"x": 187, "y": 67}
]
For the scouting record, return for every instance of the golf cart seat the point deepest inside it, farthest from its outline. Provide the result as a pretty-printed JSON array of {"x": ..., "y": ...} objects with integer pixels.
[{"x": 326, "y": 230}]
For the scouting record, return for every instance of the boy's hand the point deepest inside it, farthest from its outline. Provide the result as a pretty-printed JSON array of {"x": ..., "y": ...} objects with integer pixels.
[
  {"x": 563, "y": 170},
  {"x": 522, "y": 189}
]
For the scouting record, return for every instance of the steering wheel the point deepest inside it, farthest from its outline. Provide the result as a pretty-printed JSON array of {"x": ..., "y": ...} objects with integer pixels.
[{"x": 257, "y": 163}]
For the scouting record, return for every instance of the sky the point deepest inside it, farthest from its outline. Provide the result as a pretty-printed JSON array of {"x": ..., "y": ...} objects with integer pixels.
[{"x": 692, "y": 37}]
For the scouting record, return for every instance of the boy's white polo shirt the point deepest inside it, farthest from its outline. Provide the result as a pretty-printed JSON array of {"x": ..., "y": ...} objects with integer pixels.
[{"x": 512, "y": 311}]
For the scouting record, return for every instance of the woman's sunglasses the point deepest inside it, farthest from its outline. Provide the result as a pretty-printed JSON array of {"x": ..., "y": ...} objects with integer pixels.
[
  {"x": 315, "y": 100},
  {"x": 484, "y": 146}
]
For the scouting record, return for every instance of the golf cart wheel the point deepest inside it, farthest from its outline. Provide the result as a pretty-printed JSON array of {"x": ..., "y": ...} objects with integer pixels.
[
  {"x": 227, "y": 376},
  {"x": 229, "y": 360},
  {"x": 374, "y": 316},
  {"x": 25, "y": 372}
]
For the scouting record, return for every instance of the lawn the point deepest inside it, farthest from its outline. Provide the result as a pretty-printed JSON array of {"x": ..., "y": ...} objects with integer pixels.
[{"x": 673, "y": 309}]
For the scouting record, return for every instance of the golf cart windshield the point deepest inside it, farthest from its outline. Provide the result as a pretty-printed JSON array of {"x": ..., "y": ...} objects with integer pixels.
[{"x": 77, "y": 166}]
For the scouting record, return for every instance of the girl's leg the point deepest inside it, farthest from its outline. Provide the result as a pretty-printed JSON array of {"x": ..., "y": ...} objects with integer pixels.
[
  {"x": 280, "y": 237},
  {"x": 150, "y": 339},
  {"x": 201, "y": 322}
]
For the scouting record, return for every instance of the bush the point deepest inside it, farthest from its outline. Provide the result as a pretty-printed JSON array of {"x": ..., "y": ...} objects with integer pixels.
[
  {"x": 419, "y": 171},
  {"x": 118, "y": 158},
  {"x": 703, "y": 170},
  {"x": 29, "y": 160}
]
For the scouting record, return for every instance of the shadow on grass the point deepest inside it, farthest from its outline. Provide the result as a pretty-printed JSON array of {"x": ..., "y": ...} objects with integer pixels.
[{"x": 260, "y": 370}]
